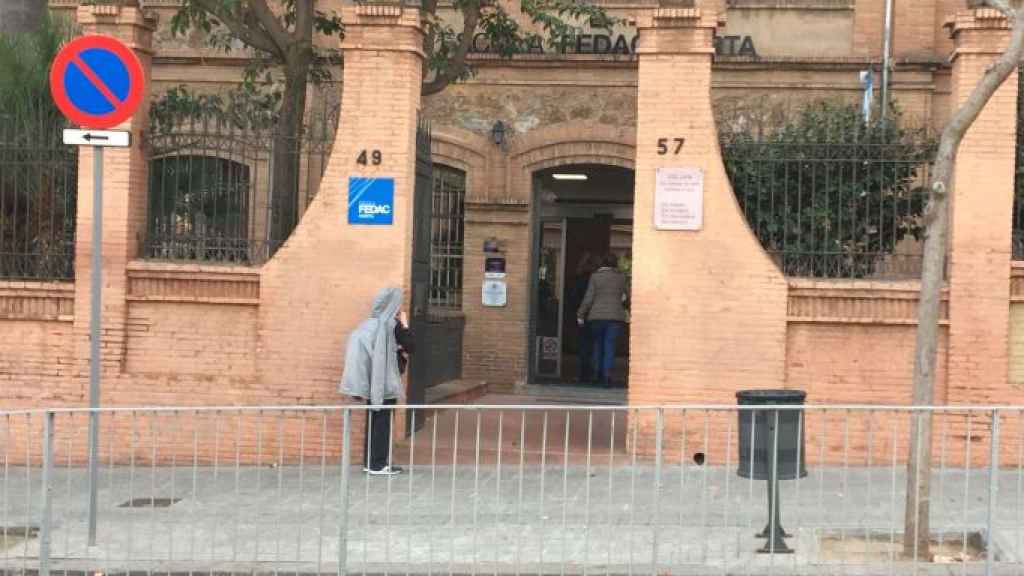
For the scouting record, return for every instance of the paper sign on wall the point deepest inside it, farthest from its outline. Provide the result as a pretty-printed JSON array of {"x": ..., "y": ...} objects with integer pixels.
[
  {"x": 494, "y": 293},
  {"x": 679, "y": 199}
]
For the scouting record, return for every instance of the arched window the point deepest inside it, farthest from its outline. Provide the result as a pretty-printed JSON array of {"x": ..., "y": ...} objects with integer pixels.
[
  {"x": 447, "y": 237},
  {"x": 199, "y": 209}
]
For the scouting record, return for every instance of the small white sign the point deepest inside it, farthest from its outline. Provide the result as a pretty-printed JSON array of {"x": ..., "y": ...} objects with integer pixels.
[
  {"x": 679, "y": 199},
  {"x": 495, "y": 293},
  {"x": 106, "y": 138}
]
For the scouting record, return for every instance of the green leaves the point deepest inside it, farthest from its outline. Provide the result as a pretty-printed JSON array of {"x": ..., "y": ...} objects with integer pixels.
[
  {"x": 245, "y": 107},
  {"x": 829, "y": 194},
  {"x": 24, "y": 77}
]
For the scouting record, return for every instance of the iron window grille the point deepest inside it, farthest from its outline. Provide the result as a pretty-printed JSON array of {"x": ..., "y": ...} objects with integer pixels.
[
  {"x": 447, "y": 237},
  {"x": 216, "y": 193}
]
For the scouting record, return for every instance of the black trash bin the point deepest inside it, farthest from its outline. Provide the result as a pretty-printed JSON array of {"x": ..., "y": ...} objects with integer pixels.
[
  {"x": 790, "y": 435},
  {"x": 770, "y": 438}
]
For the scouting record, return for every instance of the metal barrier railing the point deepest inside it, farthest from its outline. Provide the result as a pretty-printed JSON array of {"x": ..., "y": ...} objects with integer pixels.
[{"x": 512, "y": 489}]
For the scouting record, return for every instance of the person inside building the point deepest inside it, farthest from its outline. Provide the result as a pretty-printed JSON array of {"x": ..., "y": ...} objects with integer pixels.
[
  {"x": 604, "y": 306},
  {"x": 375, "y": 358},
  {"x": 584, "y": 341}
]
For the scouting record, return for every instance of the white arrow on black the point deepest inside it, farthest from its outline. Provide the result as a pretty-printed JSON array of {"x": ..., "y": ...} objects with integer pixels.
[{"x": 108, "y": 138}]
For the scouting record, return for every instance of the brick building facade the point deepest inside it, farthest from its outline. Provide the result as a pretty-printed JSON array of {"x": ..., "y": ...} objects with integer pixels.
[{"x": 187, "y": 333}]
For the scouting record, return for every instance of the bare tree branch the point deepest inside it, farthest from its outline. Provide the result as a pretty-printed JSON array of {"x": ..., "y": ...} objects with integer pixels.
[
  {"x": 304, "y": 21},
  {"x": 991, "y": 80},
  {"x": 269, "y": 22},
  {"x": 470, "y": 19},
  {"x": 430, "y": 13},
  {"x": 253, "y": 36}
]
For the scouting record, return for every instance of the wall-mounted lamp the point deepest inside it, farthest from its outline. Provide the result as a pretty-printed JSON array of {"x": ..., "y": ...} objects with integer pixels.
[{"x": 498, "y": 135}]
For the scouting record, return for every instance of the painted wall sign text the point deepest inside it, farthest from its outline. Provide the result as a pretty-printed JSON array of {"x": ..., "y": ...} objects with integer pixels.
[{"x": 606, "y": 44}]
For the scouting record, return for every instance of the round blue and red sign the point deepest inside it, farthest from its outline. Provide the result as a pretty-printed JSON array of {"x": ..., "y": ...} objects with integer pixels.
[{"x": 97, "y": 81}]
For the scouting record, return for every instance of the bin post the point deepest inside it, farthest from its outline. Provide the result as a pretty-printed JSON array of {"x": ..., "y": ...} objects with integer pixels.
[{"x": 776, "y": 543}]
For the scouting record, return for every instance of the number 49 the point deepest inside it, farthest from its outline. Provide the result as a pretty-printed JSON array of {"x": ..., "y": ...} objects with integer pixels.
[
  {"x": 375, "y": 157},
  {"x": 663, "y": 145}
]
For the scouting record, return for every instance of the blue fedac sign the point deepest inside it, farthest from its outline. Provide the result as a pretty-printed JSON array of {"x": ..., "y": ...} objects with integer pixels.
[{"x": 371, "y": 201}]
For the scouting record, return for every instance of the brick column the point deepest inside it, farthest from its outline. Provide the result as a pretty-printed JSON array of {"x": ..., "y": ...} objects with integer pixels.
[
  {"x": 321, "y": 283},
  {"x": 709, "y": 306},
  {"x": 125, "y": 180},
  {"x": 980, "y": 223}
]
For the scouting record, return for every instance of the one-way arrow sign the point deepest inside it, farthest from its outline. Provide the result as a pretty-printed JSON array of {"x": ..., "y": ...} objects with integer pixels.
[{"x": 108, "y": 138}]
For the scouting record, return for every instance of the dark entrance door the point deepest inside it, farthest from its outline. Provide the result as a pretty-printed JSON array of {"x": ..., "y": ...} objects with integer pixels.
[
  {"x": 420, "y": 364},
  {"x": 584, "y": 237}
]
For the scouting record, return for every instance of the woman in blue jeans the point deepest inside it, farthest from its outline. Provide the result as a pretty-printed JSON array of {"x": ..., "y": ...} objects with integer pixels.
[{"x": 604, "y": 307}]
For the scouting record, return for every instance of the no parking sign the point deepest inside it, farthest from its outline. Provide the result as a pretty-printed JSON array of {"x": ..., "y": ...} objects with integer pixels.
[{"x": 97, "y": 81}]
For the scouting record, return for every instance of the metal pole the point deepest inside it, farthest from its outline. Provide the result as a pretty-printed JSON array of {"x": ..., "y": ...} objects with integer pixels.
[
  {"x": 96, "y": 287},
  {"x": 346, "y": 464},
  {"x": 658, "y": 449},
  {"x": 46, "y": 528},
  {"x": 886, "y": 59},
  {"x": 993, "y": 493}
]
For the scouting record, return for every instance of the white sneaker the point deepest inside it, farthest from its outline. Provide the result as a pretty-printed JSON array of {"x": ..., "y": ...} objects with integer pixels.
[{"x": 385, "y": 471}]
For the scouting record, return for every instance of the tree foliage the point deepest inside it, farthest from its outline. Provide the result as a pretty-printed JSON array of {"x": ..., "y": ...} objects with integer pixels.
[
  {"x": 827, "y": 193},
  {"x": 37, "y": 176},
  {"x": 280, "y": 35}
]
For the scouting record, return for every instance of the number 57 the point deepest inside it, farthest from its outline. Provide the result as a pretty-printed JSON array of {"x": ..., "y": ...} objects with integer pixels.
[{"x": 664, "y": 142}]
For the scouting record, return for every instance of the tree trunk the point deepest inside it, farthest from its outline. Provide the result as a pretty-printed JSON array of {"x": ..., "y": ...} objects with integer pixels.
[
  {"x": 287, "y": 157},
  {"x": 21, "y": 16},
  {"x": 916, "y": 532}
]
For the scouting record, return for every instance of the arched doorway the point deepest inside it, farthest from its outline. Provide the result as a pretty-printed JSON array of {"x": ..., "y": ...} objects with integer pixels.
[{"x": 581, "y": 213}]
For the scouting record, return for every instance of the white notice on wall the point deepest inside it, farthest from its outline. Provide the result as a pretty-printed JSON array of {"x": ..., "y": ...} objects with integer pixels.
[
  {"x": 495, "y": 293},
  {"x": 679, "y": 199}
]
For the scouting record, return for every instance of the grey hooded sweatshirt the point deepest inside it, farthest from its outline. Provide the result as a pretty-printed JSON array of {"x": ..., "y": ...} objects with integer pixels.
[{"x": 371, "y": 359}]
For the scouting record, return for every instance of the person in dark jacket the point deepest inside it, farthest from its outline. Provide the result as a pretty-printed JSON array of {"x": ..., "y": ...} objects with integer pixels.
[
  {"x": 375, "y": 359},
  {"x": 604, "y": 307}
]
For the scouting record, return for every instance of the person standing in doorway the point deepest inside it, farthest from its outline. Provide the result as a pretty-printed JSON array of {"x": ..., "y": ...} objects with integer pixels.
[
  {"x": 604, "y": 307},
  {"x": 375, "y": 359},
  {"x": 584, "y": 341}
]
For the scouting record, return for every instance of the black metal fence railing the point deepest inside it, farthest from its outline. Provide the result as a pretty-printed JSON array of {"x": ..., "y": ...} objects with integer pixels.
[
  {"x": 831, "y": 197},
  {"x": 38, "y": 199},
  {"x": 220, "y": 192}
]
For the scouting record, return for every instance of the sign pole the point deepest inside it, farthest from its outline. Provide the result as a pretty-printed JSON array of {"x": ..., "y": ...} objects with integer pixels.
[
  {"x": 97, "y": 82},
  {"x": 96, "y": 290}
]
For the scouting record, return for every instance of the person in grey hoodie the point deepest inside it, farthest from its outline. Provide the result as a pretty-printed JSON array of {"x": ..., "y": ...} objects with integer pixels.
[
  {"x": 375, "y": 359},
  {"x": 604, "y": 306}
]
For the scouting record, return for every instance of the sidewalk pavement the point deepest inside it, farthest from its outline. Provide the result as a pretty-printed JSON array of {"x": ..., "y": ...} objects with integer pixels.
[{"x": 508, "y": 519}]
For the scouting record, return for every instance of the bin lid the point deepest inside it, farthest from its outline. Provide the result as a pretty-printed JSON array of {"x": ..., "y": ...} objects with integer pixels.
[{"x": 771, "y": 396}]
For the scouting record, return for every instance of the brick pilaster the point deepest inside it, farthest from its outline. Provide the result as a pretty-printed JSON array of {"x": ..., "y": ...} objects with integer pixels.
[
  {"x": 709, "y": 306},
  {"x": 980, "y": 223},
  {"x": 321, "y": 283},
  {"x": 125, "y": 179}
]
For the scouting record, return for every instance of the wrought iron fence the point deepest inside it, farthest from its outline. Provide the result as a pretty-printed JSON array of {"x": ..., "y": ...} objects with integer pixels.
[
  {"x": 513, "y": 489},
  {"x": 38, "y": 199},
  {"x": 829, "y": 196},
  {"x": 227, "y": 191},
  {"x": 448, "y": 231}
]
